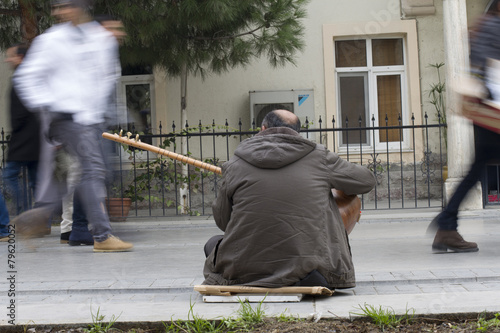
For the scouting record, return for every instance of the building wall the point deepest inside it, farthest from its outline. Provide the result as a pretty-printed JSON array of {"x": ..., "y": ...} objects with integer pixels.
[{"x": 227, "y": 96}]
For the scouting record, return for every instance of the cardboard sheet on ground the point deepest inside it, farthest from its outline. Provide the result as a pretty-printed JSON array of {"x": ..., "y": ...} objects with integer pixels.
[{"x": 234, "y": 290}]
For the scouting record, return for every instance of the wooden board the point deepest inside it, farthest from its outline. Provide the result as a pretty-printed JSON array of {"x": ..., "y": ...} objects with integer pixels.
[
  {"x": 234, "y": 290},
  {"x": 254, "y": 298}
]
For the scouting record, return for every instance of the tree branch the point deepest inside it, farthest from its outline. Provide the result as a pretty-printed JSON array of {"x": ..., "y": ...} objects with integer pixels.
[
  {"x": 229, "y": 37},
  {"x": 14, "y": 12}
]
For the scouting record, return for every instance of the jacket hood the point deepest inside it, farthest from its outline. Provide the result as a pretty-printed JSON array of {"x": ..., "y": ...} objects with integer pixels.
[{"x": 274, "y": 148}]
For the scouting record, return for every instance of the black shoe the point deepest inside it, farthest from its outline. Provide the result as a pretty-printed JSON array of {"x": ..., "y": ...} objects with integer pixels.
[
  {"x": 65, "y": 237},
  {"x": 79, "y": 237},
  {"x": 313, "y": 279}
]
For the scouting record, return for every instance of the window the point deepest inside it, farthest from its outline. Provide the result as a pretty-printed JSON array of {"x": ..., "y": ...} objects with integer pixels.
[
  {"x": 372, "y": 68},
  {"x": 136, "y": 97},
  {"x": 370, "y": 75}
]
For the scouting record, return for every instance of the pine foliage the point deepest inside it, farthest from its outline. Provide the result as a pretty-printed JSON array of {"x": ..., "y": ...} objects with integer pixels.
[
  {"x": 12, "y": 28},
  {"x": 202, "y": 35}
]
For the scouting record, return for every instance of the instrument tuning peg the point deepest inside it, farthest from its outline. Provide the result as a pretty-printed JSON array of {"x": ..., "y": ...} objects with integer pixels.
[
  {"x": 136, "y": 137},
  {"x": 129, "y": 135},
  {"x": 121, "y": 132}
]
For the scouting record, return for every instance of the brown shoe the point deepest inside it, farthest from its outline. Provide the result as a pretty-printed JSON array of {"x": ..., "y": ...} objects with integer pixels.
[
  {"x": 451, "y": 240},
  {"x": 33, "y": 223},
  {"x": 112, "y": 244}
]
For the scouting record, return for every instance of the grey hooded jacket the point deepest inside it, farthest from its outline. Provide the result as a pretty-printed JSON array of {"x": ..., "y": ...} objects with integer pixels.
[{"x": 278, "y": 215}]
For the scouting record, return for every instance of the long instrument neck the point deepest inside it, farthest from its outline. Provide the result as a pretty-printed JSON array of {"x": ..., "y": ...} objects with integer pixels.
[{"x": 184, "y": 159}]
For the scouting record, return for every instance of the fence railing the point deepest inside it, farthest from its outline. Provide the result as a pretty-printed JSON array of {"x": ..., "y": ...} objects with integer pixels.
[{"x": 407, "y": 161}]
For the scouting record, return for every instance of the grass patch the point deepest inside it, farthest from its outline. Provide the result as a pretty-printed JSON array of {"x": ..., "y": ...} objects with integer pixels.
[
  {"x": 483, "y": 324},
  {"x": 385, "y": 317},
  {"x": 248, "y": 317},
  {"x": 98, "y": 323},
  {"x": 288, "y": 318},
  {"x": 195, "y": 324}
]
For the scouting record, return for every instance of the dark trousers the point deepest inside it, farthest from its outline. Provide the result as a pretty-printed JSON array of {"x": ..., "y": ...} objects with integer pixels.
[
  {"x": 313, "y": 279},
  {"x": 212, "y": 243},
  {"x": 80, "y": 222},
  {"x": 487, "y": 149},
  {"x": 85, "y": 143}
]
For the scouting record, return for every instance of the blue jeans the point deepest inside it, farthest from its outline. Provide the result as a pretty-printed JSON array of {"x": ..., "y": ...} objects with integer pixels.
[
  {"x": 19, "y": 194},
  {"x": 4, "y": 218}
]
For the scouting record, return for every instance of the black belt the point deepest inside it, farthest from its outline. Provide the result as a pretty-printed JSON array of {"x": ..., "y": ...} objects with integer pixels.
[{"x": 59, "y": 116}]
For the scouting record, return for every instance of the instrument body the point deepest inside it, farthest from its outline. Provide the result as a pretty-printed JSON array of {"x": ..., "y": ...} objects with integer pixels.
[{"x": 349, "y": 205}]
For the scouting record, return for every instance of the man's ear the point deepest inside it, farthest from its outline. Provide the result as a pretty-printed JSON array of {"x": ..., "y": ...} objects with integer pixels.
[{"x": 262, "y": 128}]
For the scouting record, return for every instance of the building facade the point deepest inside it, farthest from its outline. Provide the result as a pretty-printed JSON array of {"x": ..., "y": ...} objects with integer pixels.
[{"x": 366, "y": 61}]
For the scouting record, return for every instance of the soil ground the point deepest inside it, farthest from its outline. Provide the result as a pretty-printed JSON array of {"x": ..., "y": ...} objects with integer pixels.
[{"x": 443, "y": 323}]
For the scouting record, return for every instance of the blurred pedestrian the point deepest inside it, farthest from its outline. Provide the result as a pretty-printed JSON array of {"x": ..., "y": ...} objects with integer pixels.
[
  {"x": 24, "y": 144},
  {"x": 485, "y": 50},
  {"x": 70, "y": 71},
  {"x": 77, "y": 232},
  {"x": 4, "y": 221}
]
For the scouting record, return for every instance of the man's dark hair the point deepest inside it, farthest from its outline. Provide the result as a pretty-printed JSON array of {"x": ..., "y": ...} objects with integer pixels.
[
  {"x": 85, "y": 4},
  {"x": 493, "y": 9},
  {"x": 104, "y": 18},
  {"x": 273, "y": 119}
]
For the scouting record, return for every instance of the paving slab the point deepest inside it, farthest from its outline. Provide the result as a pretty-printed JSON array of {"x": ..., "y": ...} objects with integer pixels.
[{"x": 52, "y": 283}]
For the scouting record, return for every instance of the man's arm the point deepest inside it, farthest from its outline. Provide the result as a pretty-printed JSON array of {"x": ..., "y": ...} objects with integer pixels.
[
  {"x": 222, "y": 206},
  {"x": 30, "y": 78},
  {"x": 349, "y": 177},
  {"x": 113, "y": 67}
]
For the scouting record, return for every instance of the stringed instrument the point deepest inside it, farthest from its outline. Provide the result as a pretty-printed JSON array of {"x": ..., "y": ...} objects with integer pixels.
[{"x": 349, "y": 205}]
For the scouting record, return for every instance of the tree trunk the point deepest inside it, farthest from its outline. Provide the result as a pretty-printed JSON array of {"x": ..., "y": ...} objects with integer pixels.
[
  {"x": 29, "y": 24},
  {"x": 184, "y": 186}
]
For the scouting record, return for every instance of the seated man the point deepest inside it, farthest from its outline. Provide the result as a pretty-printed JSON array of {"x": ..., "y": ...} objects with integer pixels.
[{"x": 281, "y": 224}]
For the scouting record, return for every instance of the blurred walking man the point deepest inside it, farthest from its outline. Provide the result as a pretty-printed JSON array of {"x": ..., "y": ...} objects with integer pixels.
[
  {"x": 24, "y": 143},
  {"x": 70, "y": 71}
]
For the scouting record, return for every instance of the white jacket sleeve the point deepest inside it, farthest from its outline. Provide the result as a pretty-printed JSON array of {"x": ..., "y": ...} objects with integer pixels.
[{"x": 30, "y": 78}]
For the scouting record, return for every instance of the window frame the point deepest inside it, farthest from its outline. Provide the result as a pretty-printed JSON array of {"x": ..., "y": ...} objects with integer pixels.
[
  {"x": 411, "y": 98},
  {"x": 373, "y": 72},
  {"x": 368, "y": 106},
  {"x": 122, "y": 94},
  {"x": 122, "y": 104}
]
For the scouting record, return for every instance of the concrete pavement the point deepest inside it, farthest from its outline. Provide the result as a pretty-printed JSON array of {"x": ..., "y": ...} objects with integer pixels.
[{"x": 395, "y": 267}]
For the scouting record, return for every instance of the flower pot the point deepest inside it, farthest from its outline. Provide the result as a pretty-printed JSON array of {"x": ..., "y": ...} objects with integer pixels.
[{"x": 118, "y": 208}]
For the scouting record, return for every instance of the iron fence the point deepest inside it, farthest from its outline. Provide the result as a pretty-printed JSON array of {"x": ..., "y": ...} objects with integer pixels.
[{"x": 407, "y": 161}]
